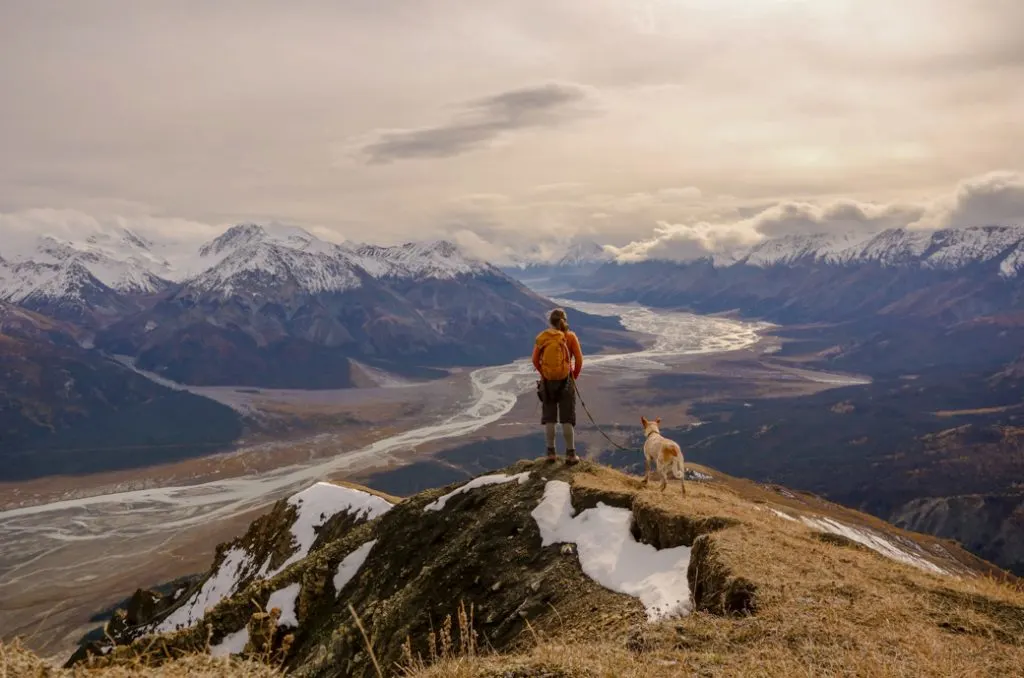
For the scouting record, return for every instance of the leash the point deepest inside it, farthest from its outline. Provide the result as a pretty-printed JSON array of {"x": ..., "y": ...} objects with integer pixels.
[{"x": 586, "y": 409}]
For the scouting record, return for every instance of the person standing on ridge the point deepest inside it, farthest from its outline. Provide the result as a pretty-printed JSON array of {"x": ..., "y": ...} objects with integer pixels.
[{"x": 556, "y": 355}]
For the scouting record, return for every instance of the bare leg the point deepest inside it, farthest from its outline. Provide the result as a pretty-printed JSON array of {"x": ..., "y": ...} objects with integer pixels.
[
  {"x": 569, "y": 433},
  {"x": 549, "y": 438}
]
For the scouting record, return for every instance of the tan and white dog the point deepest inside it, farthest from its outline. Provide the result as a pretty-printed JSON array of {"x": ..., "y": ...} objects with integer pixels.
[{"x": 666, "y": 454}]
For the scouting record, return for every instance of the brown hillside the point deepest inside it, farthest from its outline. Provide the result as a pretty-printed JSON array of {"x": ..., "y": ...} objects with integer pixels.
[{"x": 782, "y": 584}]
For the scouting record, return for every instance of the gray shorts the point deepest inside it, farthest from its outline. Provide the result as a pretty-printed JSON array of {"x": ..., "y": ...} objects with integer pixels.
[{"x": 559, "y": 402}]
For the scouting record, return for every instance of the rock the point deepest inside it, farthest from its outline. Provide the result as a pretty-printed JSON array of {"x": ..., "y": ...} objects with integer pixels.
[{"x": 142, "y": 606}]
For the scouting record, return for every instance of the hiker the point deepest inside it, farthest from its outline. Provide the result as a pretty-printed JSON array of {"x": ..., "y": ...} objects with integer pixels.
[{"x": 556, "y": 354}]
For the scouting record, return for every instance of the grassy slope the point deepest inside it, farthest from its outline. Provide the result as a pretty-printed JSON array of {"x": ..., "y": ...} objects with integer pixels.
[
  {"x": 823, "y": 609},
  {"x": 773, "y": 598}
]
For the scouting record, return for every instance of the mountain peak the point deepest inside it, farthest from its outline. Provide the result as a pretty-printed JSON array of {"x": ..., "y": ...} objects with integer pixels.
[
  {"x": 435, "y": 259},
  {"x": 585, "y": 252},
  {"x": 246, "y": 234}
]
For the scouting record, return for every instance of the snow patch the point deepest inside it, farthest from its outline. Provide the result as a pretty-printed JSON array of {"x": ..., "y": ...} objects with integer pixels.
[
  {"x": 784, "y": 516},
  {"x": 350, "y": 566},
  {"x": 1013, "y": 263},
  {"x": 233, "y": 643},
  {"x": 610, "y": 555},
  {"x": 873, "y": 541},
  {"x": 220, "y": 585},
  {"x": 482, "y": 481},
  {"x": 284, "y": 600},
  {"x": 321, "y": 502}
]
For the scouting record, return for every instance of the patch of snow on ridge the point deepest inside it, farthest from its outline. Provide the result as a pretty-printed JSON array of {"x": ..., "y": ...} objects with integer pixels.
[
  {"x": 873, "y": 541},
  {"x": 482, "y": 481},
  {"x": 350, "y": 566},
  {"x": 321, "y": 502},
  {"x": 233, "y": 643},
  {"x": 220, "y": 585},
  {"x": 1013, "y": 263},
  {"x": 284, "y": 600},
  {"x": 610, "y": 555},
  {"x": 784, "y": 516}
]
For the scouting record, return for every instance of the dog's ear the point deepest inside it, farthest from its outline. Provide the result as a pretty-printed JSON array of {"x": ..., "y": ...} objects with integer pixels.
[
  {"x": 658, "y": 420},
  {"x": 643, "y": 421}
]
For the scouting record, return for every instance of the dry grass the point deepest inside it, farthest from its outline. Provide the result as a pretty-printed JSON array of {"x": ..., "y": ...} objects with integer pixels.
[
  {"x": 17, "y": 662},
  {"x": 981, "y": 410},
  {"x": 823, "y": 610}
]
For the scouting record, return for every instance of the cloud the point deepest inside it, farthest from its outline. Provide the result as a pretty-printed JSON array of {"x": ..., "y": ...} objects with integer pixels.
[
  {"x": 482, "y": 122},
  {"x": 23, "y": 227},
  {"x": 471, "y": 243},
  {"x": 684, "y": 193},
  {"x": 683, "y": 242},
  {"x": 687, "y": 241},
  {"x": 994, "y": 199},
  {"x": 842, "y": 215}
]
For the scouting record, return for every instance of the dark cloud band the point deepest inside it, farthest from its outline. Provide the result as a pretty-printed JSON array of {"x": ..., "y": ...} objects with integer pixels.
[{"x": 482, "y": 121}]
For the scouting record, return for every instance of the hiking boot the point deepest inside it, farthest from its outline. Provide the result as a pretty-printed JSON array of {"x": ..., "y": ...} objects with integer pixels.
[
  {"x": 571, "y": 458},
  {"x": 552, "y": 457}
]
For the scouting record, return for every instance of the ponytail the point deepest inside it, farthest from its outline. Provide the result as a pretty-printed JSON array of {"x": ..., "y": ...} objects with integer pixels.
[{"x": 558, "y": 320}]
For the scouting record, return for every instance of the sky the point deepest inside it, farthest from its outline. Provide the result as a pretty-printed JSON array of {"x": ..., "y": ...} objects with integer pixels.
[{"x": 665, "y": 128}]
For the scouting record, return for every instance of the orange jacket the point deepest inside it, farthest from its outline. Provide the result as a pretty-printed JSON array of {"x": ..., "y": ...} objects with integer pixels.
[{"x": 574, "y": 348}]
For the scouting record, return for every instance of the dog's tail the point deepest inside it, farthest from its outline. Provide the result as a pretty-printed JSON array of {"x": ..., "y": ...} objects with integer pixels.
[{"x": 677, "y": 464}]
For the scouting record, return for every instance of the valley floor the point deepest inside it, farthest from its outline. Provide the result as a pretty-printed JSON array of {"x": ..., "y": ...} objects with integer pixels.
[{"x": 55, "y": 581}]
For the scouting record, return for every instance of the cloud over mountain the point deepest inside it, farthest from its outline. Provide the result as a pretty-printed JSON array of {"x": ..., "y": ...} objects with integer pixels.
[{"x": 994, "y": 199}]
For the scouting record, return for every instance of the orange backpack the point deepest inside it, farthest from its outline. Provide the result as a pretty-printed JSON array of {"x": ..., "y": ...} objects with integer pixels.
[{"x": 554, "y": 355}]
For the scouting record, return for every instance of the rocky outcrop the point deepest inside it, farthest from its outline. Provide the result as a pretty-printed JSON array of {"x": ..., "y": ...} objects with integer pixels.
[{"x": 337, "y": 581}]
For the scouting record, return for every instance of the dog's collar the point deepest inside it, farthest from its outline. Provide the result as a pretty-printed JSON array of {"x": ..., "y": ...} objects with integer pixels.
[{"x": 648, "y": 434}]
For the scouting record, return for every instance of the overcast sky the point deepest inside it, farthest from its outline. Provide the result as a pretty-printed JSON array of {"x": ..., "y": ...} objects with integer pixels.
[{"x": 674, "y": 125}]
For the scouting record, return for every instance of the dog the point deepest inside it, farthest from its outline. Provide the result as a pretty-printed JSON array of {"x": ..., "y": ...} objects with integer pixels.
[{"x": 666, "y": 454}]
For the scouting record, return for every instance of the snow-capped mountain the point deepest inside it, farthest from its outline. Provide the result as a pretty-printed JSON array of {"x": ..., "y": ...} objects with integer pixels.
[
  {"x": 950, "y": 274},
  {"x": 584, "y": 253},
  {"x": 277, "y": 306},
  {"x": 75, "y": 279},
  {"x": 256, "y": 261},
  {"x": 948, "y": 249},
  {"x": 437, "y": 260},
  {"x": 572, "y": 255},
  {"x": 253, "y": 260},
  {"x": 554, "y": 269}
]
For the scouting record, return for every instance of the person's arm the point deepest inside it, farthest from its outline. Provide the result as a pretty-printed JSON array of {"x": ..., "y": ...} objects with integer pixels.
[
  {"x": 536, "y": 358},
  {"x": 577, "y": 353}
]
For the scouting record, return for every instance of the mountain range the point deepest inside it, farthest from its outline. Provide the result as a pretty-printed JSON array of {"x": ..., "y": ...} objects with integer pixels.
[
  {"x": 278, "y": 307},
  {"x": 947, "y": 276},
  {"x": 257, "y": 306}
]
